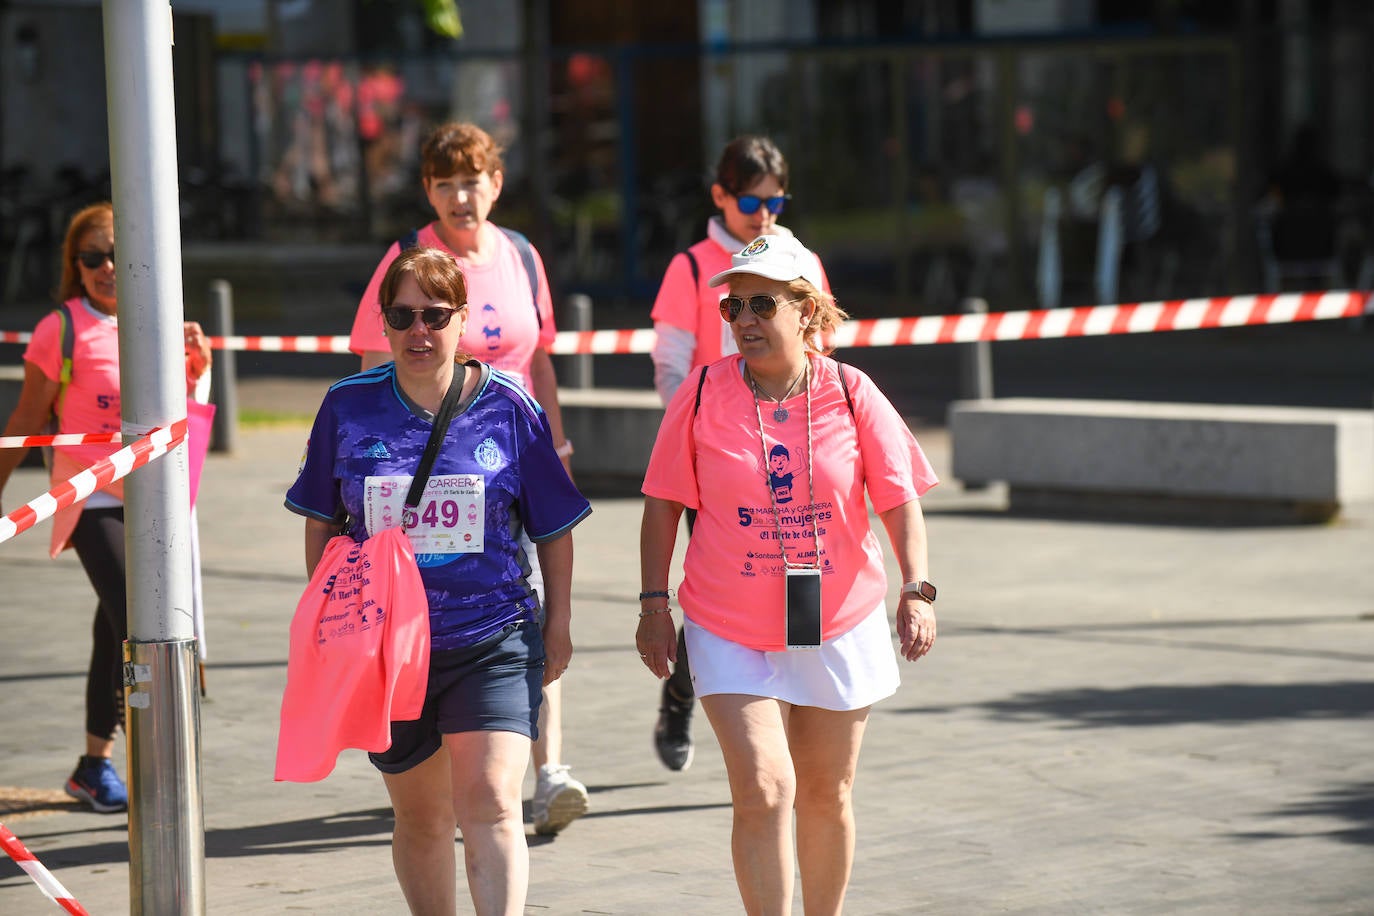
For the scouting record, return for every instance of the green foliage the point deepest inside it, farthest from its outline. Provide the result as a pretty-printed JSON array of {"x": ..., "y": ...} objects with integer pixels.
[{"x": 442, "y": 18}]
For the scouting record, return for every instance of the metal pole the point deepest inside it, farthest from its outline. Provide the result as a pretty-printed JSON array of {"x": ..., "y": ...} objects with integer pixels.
[
  {"x": 1109, "y": 247},
  {"x": 1049, "y": 278},
  {"x": 166, "y": 818},
  {"x": 579, "y": 307},
  {"x": 224, "y": 373}
]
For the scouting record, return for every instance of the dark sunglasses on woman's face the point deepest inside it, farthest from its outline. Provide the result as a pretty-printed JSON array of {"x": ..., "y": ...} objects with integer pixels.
[
  {"x": 763, "y": 306},
  {"x": 94, "y": 260},
  {"x": 434, "y": 317},
  {"x": 749, "y": 203}
]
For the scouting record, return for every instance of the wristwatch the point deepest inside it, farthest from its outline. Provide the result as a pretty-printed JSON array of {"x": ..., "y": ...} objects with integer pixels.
[{"x": 922, "y": 589}]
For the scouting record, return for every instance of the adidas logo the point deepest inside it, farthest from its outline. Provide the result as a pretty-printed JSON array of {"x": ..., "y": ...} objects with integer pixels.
[{"x": 378, "y": 450}]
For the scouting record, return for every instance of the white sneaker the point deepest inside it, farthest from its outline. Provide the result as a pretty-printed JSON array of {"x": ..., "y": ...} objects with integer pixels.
[{"x": 558, "y": 799}]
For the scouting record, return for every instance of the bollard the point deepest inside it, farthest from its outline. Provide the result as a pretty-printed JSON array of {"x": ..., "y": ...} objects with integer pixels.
[
  {"x": 579, "y": 306},
  {"x": 223, "y": 371},
  {"x": 975, "y": 371},
  {"x": 975, "y": 359}
]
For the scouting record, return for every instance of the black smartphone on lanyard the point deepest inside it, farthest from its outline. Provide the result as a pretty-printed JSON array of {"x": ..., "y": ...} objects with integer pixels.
[{"x": 803, "y": 609}]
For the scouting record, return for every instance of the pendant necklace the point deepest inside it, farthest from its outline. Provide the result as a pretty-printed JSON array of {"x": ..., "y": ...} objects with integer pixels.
[{"x": 780, "y": 413}]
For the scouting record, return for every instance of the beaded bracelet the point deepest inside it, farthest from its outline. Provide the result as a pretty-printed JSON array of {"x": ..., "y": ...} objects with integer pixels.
[
  {"x": 657, "y": 610},
  {"x": 656, "y": 593}
]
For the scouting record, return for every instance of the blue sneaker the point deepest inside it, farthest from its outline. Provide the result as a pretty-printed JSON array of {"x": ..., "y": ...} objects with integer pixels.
[{"x": 96, "y": 783}]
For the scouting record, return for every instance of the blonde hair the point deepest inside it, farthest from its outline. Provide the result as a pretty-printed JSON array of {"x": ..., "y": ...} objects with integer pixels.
[
  {"x": 827, "y": 317},
  {"x": 96, "y": 216}
]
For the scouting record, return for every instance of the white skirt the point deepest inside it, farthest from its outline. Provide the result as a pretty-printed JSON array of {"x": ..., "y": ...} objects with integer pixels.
[{"x": 851, "y": 671}]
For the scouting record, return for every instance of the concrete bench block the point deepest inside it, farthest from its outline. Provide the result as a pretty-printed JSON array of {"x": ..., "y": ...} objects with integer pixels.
[
  {"x": 613, "y": 432},
  {"x": 1294, "y": 462}
]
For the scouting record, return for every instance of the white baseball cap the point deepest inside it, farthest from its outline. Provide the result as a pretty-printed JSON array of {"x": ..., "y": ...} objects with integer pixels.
[{"x": 775, "y": 257}]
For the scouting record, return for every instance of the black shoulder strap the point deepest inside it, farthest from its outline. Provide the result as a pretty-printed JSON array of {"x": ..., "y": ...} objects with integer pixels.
[
  {"x": 696, "y": 269},
  {"x": 701, "y": 383},
  {"x": 526, "y": 250},
  {"x": 844, "y": 384},
  {"x": 436, "y": 436},
  {"x": 409, "y": 240}
]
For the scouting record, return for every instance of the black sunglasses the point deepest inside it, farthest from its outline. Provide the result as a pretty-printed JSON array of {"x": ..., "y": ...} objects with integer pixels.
[
  {"x": 434, "y": 317},
  {"x": 763, "y": 306},
  {"x": 749, "y": 203},
  {"x": 94, "y": 260}
]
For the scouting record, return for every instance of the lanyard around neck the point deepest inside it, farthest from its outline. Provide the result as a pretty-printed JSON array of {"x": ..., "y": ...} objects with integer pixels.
[{"x": 810, "y": 483}]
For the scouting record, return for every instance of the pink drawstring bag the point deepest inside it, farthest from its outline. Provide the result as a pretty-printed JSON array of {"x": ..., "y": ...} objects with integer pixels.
[{"x": 359, "y": 655}]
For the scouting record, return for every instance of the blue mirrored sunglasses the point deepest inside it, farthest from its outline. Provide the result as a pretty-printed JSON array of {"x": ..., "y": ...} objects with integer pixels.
[{"x": 749, "y": 203}]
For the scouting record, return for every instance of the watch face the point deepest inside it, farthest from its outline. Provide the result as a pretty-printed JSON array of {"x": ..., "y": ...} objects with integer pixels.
[{"x": 923, "y": 588}]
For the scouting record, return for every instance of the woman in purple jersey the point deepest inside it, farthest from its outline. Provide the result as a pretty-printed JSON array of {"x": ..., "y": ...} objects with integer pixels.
[
  {"x": 512, "y": 329},
  {"x": 461, "y": 764}
]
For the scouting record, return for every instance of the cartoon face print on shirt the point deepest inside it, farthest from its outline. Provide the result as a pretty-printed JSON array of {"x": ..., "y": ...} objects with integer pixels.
[
  {"x": 779, "y": 474},
  {"x": 490, "y": 329}
]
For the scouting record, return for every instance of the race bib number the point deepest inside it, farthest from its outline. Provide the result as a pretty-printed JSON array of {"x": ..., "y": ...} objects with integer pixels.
[{"x": 449, "y": 518}]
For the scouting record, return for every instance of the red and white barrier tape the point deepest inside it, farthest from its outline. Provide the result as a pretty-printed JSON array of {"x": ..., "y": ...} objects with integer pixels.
[
  {"x": 61, "y": 439},
  {"x": 282, "y": 344},
  {"x": 1036, "y": 324},
  {"x": 122, "y": 463},
  {"x": 1094, "y": 320},
  {"x": 49, "y": 885}
]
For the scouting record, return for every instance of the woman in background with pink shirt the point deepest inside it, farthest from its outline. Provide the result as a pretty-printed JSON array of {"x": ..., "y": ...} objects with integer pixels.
[
  {"x": 87, "y": 401},
  {"x": 784, "y": 589},
  {"x": 511, "y": 327},
  {"x": 750, "y": 191}
]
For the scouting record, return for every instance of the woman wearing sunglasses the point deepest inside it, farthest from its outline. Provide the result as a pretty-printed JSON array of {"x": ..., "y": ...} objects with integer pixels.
[
  {"x": 784, "y": 591},
  {"x": 512, "y": 329},
  {"x": 71, "y": 371},
  {"x": 750, "y": 191},
  {"x": 461, "y": 763}
]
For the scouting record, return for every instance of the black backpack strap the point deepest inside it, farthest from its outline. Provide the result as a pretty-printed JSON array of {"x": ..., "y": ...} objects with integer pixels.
[
  {"x": 701, "y": 383},
  {"x": 409, "y": 240},
  {"x": 526, "y": 250},
  {"x": 844, "y": 384},
  {"x": 696, "y": 268}
]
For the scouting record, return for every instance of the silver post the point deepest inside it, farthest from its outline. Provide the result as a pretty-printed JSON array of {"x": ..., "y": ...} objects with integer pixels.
[
  {"x": 579, "y": 308},
  {"x": 975, "y": 358},
  {"x": 224, "y": 370},
  {"x": 166, "y": 818}
]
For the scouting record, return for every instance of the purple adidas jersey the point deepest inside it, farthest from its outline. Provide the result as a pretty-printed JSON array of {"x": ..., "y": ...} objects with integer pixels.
[{"x": 496, "y": 473}]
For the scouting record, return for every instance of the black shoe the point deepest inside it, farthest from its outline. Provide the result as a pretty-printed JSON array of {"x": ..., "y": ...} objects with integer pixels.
[{"x": 673, "y": 733}]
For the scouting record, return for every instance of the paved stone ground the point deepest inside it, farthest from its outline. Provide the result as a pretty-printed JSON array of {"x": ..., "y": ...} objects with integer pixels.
[{"x": 1117, "y": 718}]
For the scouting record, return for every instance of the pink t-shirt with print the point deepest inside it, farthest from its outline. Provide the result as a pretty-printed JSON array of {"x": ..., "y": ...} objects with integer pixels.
[
  {"x": 693, "y": 306},
  {"x": 714, "y": 462},
  {"x": 91, "y": 402},
  {"x": 88, "y": 405},
  {"x": 502, "y": 329}
]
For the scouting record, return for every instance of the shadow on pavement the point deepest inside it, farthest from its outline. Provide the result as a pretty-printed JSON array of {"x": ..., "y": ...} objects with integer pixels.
[
  {"x": 1172, "y": 705},
  {"x": 1353, "y": 803}
]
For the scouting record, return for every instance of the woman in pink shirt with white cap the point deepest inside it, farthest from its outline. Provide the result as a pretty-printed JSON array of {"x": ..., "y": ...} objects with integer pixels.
[{"x": 784, "y": 590}]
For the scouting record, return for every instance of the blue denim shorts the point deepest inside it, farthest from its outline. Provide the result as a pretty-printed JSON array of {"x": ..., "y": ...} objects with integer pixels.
[{"x": 496, "y": 685}]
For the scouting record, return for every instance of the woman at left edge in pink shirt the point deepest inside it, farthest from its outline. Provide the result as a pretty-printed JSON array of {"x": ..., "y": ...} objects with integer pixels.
[{"x": 89, "y": 403}]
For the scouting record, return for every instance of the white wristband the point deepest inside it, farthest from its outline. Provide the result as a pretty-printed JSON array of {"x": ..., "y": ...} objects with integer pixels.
[{"x": 566, "y": 449}]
